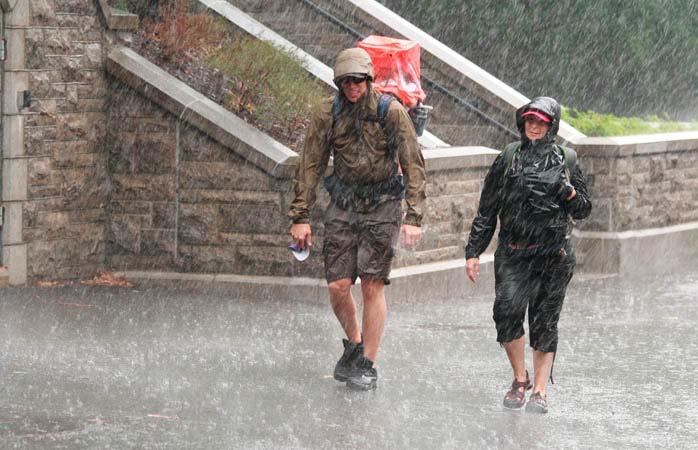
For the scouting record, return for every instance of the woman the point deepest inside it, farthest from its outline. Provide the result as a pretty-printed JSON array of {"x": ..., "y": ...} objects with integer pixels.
[{"x": 536, "y": 190}]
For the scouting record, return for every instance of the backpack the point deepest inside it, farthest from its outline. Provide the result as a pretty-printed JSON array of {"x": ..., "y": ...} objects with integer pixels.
[
  {"x": 569, "y": 157},
  {"x": 418, "y": 115}
]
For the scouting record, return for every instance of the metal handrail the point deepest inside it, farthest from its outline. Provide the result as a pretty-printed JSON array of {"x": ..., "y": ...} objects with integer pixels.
[{"x": 434, "y": 84}]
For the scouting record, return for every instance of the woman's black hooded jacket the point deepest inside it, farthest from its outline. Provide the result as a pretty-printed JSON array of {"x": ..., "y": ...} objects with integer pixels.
[{"x": 528, "y": 193}]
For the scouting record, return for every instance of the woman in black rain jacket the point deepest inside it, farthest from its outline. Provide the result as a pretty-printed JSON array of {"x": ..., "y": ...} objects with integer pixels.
[{"x": 537, "y": 190}]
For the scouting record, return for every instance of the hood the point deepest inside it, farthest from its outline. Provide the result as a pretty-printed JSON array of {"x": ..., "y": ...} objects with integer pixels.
[{"x": 547, "y": 105}]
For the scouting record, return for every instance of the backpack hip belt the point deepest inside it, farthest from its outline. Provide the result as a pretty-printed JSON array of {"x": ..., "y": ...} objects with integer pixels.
[{"x": 367, "y": 196}]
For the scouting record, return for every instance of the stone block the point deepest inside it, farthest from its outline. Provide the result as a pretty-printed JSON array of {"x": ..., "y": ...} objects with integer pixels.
[
  {"x": 137, "y": 153},
  {"x": 143, "y": 187},
  {"x": 39, "y": 171},
  {"x": 73, "y": 160},
  {"x": 93, "y": 56},
  {"x": 94, "y": 89},
  {"x": 204, "y": 175},
  {"x": 34, "y": 136},
  {"x": 78, "y": 7},
  {"x": 125, "y": 233},
  {"x": 40, "y": 85},
  {"x": 209, "y": 259},
  {"x": 198, "y": 147},
  {"x": 141, "y": 262},
  {"x": 157, "y": 242},
  {"x": 198, "y": 224},
  {"x": 57, "y": 41},
  {"x": 262, "y": 218},
  {"x": 225, "y": 196},
  {"x": 131, "y": 207},
  {"x": 163, "y": 215}
]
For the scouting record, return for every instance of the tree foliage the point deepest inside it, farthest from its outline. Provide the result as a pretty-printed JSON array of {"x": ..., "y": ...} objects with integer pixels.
[{"x": 625, "y": 58}]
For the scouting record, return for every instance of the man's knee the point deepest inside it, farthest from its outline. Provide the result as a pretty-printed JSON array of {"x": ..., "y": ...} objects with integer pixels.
[
  {"x": 339, "y": 288},
  {"x": 372, "y": 288}
]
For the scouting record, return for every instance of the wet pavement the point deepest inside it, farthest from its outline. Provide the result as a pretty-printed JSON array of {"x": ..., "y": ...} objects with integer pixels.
[{"x": 189, "y": 366}]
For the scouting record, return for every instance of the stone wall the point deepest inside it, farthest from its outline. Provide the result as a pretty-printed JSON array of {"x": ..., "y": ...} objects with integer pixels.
[
  {"x": 183, "y": 202},
  {"x": 637, "y": 191},
  {"x": 209, "y": 211},
  {"x": 97, "y": 175},
  {"x": 64, "y": 215}
]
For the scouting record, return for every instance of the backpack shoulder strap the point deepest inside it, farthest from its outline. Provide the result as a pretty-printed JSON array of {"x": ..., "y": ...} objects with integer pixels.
[
  {"x": 570, "y": 158},
  {"x": 336, "y": 105},
  {"x": 383, "y": 105},
  {"x": 508, "y": 154}
]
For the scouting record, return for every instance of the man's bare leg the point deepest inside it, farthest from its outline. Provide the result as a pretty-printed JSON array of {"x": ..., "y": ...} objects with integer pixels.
[
  {"x": 374, "y": 315},
  {"x": 344, "y": 308}
]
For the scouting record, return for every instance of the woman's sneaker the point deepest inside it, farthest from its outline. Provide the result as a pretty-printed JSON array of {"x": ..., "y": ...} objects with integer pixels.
[
  {"x": 344, "y": 366},
  {"x": 364, "y": 376},
  {"x": 537, "y": 404}
]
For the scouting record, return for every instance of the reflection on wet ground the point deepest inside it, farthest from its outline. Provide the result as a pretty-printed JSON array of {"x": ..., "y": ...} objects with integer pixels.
[{"x": 190, "y": 367}]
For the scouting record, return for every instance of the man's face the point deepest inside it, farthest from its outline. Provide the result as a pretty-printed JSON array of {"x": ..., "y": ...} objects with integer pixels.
[
  {"x": 354, "y": 88},
  {"x": 535, "y": 128}
]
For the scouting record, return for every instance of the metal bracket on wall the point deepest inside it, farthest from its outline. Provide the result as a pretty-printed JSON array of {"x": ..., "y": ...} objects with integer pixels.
[
  {"x": 24, "y": 99},
  {"x": 3, "y": 49},
  {"x": 2, "y": 215}
]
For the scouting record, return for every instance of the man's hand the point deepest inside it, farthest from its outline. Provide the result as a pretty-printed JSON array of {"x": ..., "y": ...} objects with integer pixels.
[
  {"x": 411, "y": 234},
  {"x": 301, "y": 234},
  {"x": 472, "y": 268}
]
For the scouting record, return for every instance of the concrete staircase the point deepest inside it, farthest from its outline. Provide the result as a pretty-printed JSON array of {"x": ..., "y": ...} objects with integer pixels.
[{"x": 324, "y": 27}]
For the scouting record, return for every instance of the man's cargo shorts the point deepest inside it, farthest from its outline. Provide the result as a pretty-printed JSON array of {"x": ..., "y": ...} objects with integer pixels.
[{"x": 358, "y": 244}]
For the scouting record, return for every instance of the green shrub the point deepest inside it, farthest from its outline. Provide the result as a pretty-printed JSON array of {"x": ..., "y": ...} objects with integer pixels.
[
  {"x": 273, "y": 86},
  {"x": 594, "y": 124}
]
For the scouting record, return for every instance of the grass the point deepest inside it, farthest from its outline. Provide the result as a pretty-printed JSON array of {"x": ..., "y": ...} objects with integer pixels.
[
  {"x": 266, "y": 83},
  {"x": 594, "y": 124},
  {"x": 273, "y": 86}
]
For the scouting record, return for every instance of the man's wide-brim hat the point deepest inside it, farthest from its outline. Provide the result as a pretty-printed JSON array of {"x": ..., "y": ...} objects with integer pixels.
[{"x": 353, "y": 62}]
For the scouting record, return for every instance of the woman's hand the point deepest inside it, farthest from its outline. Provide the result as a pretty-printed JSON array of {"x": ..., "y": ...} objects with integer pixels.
[{"x": 472, "y": 268}]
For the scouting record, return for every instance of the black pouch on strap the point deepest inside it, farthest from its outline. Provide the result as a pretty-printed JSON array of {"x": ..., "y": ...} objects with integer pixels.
[{"x": 366, "y": 197}]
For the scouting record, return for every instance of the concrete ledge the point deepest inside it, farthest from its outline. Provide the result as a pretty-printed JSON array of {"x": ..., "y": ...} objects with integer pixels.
[
  {"x": 449, "y": 158},
  {"x": 639, "y": 252},
  {"x": 638, "y": 145},
  {"x": 117, "y": 19},
  {"x": 415, "y": 283},
  {"x": 193, "y": 107},
  {"x": 311, "y": 64}
]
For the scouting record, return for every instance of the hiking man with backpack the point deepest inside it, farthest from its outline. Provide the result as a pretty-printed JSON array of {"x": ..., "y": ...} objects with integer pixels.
[
  {"x": 377, "y": 163},
  {"x": 536, "y": 189}
]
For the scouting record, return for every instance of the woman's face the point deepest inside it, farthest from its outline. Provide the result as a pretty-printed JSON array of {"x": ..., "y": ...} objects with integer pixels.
[
  {"x": 535, "y": 129},
  {"x": 354, "y": 88}
]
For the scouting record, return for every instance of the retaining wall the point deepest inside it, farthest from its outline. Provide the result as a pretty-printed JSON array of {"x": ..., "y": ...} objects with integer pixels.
[{"x": 104, "y": 172}]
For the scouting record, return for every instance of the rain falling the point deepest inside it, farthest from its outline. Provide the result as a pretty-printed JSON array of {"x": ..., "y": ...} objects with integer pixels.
[{"x": 221, "y": 229}]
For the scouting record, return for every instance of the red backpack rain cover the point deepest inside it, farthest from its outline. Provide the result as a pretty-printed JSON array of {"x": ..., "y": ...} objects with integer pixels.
[{"x": 396, "y": 68}]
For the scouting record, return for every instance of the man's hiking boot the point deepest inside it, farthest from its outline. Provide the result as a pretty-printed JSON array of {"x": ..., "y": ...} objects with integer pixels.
[
  {"x": 345, "y": 364},
  {"x": 364, "y": 376},
  {"x": 537, "y": 404},
  {"x": 516, "y": 397}
]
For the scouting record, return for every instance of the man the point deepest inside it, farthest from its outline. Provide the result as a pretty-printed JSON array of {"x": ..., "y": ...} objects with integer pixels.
[
  {"x": 364, "y": 217},
  {"x": 536, "y": 189}
]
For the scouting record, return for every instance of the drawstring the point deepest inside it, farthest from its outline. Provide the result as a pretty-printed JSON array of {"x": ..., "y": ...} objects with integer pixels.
[{"x": 551, "y": 368}]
